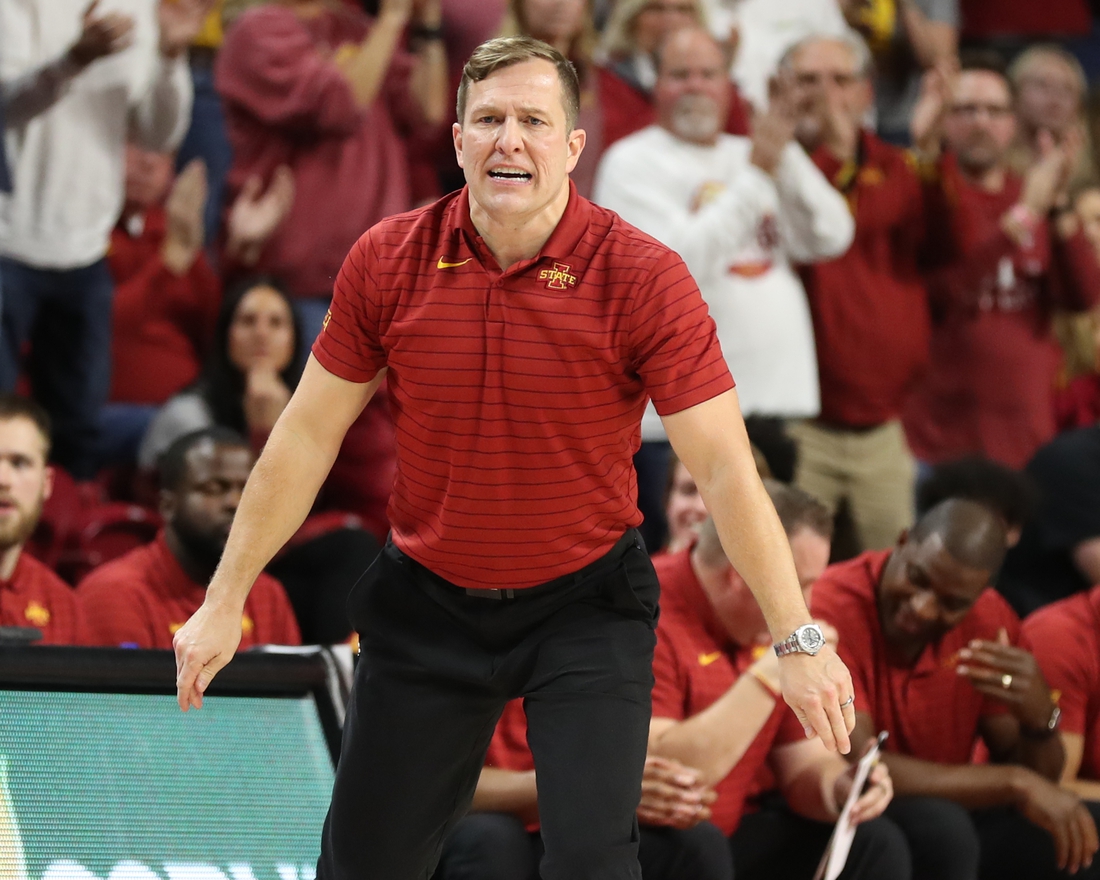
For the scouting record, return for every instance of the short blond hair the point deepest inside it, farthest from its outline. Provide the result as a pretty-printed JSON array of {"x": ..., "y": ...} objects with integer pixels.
[{"x": 502, "y": 52}]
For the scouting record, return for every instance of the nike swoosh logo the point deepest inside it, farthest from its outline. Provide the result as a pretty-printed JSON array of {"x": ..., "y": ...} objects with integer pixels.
[
  {"x": 707, "y": 659},
  {"x": 443, "y": 264}
]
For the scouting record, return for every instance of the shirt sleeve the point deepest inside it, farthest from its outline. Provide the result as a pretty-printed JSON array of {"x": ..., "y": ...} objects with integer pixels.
[
  {"x": 270, "y": 67},
  {"x": 349, "y": 344},
  {"x": 674, "y": 340},
  {"x": 1068, "y": 663},
  {"x": 815, "y": 222},
  {"x": 669, "y": 686}
]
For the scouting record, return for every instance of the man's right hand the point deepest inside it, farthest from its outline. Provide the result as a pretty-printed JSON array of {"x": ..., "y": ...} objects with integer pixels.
[
  {"x": 203, "y": 646},
  {"x": 1061, "y": 813},
  {"x": 774, "y": 129},
  {"x": 672, "y": 795},
  {"x": 101, "y": 36},
  {"x": 815, "y": 687}
]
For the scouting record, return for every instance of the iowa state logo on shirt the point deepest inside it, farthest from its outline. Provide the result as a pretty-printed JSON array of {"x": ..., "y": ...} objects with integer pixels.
[
  {"x": 37, "y": 614},
  {"x": 558, "y": 278}
]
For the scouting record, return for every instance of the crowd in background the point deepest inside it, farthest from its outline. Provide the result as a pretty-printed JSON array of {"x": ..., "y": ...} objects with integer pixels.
[{"x": 892, "y": 208}]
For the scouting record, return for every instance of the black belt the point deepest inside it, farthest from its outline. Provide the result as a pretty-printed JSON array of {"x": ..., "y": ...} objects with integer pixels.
[{"x": 629, "y": 539}]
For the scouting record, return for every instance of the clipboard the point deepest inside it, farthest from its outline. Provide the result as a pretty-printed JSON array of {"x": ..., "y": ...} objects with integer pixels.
[{"x": 840, "y": 842}]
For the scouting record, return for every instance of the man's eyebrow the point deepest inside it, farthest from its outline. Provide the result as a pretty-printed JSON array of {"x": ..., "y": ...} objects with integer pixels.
[{"x": 523, "y": 109}]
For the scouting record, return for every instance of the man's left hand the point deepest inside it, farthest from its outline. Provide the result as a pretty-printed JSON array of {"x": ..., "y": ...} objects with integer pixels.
[
  {"x": 815, "y": 686},
  {"x": 1009, "y": 674},
  {"x": 673, "y": 795},
  {"x": 180, "y": 22}
]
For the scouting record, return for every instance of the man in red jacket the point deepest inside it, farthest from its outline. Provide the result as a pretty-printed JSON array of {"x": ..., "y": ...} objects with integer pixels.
[
  {"x": 869, "y": 305},
  {"x": 999, "y": 262}
]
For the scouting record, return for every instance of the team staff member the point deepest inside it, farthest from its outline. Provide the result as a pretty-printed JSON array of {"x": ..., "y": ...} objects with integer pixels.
[
  {"x": 522, "y": 328},
  {"x": 716, "y": 708},
  {"x": 140, "y": 599},
  {"x": 1065, "y": 639},
  {"x": 930, "y": 647},
  {"x": 30, "y": 594}
]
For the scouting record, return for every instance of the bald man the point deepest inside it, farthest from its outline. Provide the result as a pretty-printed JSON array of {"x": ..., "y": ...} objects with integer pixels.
[{"x": 932, "y": 655}]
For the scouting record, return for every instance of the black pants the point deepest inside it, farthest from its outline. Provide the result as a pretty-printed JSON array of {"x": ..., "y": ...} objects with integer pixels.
[
  {"x": 949, "y": 842},
  {"x": 497, "y": 846},
  {"x": 436, "y": 668},
  {"x": 1012, "y": 848},
  {"x": 774, "y": 843}
]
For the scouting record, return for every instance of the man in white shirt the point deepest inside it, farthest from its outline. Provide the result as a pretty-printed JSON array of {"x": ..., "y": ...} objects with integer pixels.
[
  {"x": 77, "y": 79},
  {"x": 739, "y": 211}
]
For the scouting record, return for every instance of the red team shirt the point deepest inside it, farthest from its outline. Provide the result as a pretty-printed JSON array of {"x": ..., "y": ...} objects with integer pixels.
[
  {"x": 517, "y": 395},
  {"x": 694, "y": 664},
  {"x": 139, "y": 601},
  {"x": 929, "y": 710},
  {"x": 869, "y": 305},
  {"x": 38, "y": 598},
  {"x": 1065, "y": 639}
]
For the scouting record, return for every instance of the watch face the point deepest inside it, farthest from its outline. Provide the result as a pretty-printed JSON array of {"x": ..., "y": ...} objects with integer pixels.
[{"x": 811, "y": 639}]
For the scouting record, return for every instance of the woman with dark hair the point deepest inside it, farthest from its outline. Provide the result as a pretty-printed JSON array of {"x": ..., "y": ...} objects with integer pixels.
[
  {"x": 246, "y": 382},
  {"x": 248, "y": 377}
]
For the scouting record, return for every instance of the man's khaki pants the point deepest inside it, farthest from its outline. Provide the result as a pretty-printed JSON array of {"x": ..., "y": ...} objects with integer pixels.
[{"x": 871, "y": 468}]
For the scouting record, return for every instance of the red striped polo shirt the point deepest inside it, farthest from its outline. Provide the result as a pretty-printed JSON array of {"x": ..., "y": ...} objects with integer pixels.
[{"x": 517, "y": 395}]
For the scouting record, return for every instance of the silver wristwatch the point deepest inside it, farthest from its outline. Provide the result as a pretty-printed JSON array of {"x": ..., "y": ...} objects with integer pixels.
[{"x": 807, "y": 639}]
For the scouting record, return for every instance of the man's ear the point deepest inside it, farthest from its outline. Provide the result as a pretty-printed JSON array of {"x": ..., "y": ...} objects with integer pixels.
[
  {"x": 456, "y": 136},
  {"x": 47, "y": 483},
  {"x": 167, "y": 504},
  {"x": 577, "y": 139}
]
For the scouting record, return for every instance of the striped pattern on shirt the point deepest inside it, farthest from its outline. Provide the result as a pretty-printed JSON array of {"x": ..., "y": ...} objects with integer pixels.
[{"x": 517, "y": 395}]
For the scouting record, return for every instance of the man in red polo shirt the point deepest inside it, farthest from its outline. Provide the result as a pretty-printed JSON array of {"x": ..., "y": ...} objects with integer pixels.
[
  {"x": 142, "y": 598},
  {"x": 869, "y": 306},
  {"x": 30, "y": 594},
  {"x": 522, "y": 329},
  {"x": 1065, "y": 639},
  {"x": 932, "y": 659}
]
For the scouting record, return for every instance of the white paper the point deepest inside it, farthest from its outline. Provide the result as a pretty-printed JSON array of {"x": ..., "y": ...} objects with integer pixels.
[{"x": 840, "y": 844}]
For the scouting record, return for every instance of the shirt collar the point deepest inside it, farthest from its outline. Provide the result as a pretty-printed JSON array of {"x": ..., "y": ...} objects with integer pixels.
[
  {"x": 172, "y": 579},
  {"x": 561, "y": 245}
]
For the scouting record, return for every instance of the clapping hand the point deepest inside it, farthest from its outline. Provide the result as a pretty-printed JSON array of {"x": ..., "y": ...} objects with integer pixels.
[
  {"x": 256, "y": 214},
  {"x": 180, "y": 22},
  {"x": 774, "y": 129},
  {"x": 101, "y": 35},
  {"x": 1011, "y": 675},
  {"x": 184, "y": 209}
]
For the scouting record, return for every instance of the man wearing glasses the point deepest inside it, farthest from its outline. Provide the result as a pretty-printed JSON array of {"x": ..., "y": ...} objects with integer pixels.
[{"x": 1002, "y": 258}]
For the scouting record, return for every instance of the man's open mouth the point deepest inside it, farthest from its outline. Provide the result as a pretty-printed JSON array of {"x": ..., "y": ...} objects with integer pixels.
[{"x": 510, "y": 175}]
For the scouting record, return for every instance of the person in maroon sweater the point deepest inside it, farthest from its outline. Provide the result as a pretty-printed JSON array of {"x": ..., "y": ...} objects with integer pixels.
[
  {"x": 166, "y": 295},
  {"x": 869, "y": 306},
  {"x": 30, "y": 594},
  {"x": 329, "y": 92},
  {"x": 140, "y": 599},
  {"x": 997, "y": 266}
]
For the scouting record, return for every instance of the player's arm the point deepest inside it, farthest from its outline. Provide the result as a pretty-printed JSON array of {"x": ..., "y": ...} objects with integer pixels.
[
  {"x": 507, "y": 791},
  {"x": 711, "y": 441},
  {"x": 278, "y": 496}
]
